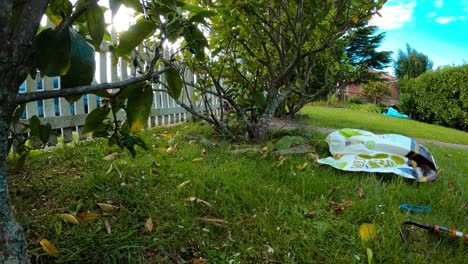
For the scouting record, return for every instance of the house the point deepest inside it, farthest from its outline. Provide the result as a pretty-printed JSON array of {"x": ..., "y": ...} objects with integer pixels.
[{"x": 351, "y": 90}]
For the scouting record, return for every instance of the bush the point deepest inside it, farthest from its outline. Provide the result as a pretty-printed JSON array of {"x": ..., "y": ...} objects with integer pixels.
[
  {"x": 355, "y": 99},
  {"x": 437, "y": 97}
]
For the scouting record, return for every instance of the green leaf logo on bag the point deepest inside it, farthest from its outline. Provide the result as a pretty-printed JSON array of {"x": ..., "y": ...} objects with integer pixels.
[{"x": 370, "y": 144}]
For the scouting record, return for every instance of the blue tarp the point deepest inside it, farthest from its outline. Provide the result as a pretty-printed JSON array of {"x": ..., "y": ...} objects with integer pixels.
[{"x": 395, "y": 113}]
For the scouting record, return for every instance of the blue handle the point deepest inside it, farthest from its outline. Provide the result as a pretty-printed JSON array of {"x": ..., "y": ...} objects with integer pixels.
[{"x": 415, "y": 208}]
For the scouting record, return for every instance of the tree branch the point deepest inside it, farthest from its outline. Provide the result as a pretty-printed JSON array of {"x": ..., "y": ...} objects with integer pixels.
[
  {"x": 40, "y": 95},
  {"x": 68, "y": 22}
]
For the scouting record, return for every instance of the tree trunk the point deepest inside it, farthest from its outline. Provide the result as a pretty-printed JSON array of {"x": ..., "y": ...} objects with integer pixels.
[{"x": 13, "y": 246}]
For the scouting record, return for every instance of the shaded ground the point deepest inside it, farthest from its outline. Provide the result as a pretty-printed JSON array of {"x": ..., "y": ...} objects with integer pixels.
[{"x": 301, "y": 123}]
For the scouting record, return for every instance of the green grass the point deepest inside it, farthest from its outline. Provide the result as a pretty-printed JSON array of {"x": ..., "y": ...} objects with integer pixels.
[
  {"x": 342, "y": 117},
  {"x": 269, "y": 201}
]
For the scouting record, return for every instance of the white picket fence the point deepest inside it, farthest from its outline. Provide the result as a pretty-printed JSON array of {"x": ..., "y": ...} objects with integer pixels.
[{"x": 67, "y": 118}]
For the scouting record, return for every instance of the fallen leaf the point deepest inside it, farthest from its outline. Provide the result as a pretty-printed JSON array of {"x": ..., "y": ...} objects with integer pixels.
[
  {"x": 182, "y": 185},
  {"x": 167, "y": 136},
  {"x": 108, "y": 227},
  {"x": 367, "y": 231},
  {"x": 48, "y": 247},
  {"x": 192, "y": 142},
  {"x": 281, "y": 162},
  {"x": 112, "y": 156},
  {"x": 302, "y": 167},
  {"x": 69, "y": 218},
  {"x": 230, "y": 237},
  {"x": 175, "y": 148},
  {"x": 200, "y": 260},
  {"x": 108, "y": 208},
  {"x": 449, "y": 155},
  {"x": 86, "y": 217},
  {"x": 246, "y": 220},
  {"x": 216, "y": 222},
  {"x": 280, "y": 157},
  {"x": 331, "y": 191},
  {"x": 203, "y": 152},
  {"x": 196, "y": 160},
  {"x": 339, "y": 207},
  {"x": 313, "y": 157},
  {"x": 197, "y": 200},
  {"x": 310, "y": 214},
  {"x": 149, "y": 225},
  {"x": 169, "y": 149},
  {"x": 361, "y": 193}
]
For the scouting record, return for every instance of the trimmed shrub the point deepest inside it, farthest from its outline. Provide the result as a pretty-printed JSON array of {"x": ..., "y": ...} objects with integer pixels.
[{"x": 437, "y": 97}]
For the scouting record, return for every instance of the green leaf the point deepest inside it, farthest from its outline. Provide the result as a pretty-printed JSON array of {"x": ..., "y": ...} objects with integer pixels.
[
  {"x": 174, "y": 82},
  {"x": 93, "y": 121},
  {"x": 370, "y": 255},
  {"x": 52, "y": 52},
  {"x": 34, "y": 124},
  {"x": 44, "y": 132},
  {"x": 96, "y": 24},
  {"x": 57, "y": 10},
  {"x": 114, "y": 6},
  {"x": 192, "y": 8},
  {"x": 138, "y": 108},
  {"x": 18, "y": 113},
  {"x": 199, "y": 17},
  {"x": 134, "y": 4},
  {"x": 288, "y": 141},
  {"x": 134, "y": 36},
  {"x": 82, "y": 67}
]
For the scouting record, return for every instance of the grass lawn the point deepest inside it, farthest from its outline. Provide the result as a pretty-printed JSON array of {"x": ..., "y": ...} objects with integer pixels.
[
  {"x": 266, "y": 211},
  {"x": 343, "y": 117}
]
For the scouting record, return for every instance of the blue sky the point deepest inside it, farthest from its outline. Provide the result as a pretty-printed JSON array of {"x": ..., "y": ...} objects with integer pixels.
[{"x": 437, "y": 28}]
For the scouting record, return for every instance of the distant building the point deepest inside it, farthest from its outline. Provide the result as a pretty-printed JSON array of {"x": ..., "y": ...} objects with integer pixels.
[{"x": 355, "y": 89}]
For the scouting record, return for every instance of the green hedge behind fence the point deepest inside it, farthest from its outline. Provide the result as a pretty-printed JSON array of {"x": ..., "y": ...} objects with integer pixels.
[{"x": 437, "y": 97}]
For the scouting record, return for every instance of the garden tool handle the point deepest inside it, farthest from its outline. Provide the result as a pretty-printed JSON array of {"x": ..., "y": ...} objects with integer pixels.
[{"x": 453, "y": 232}]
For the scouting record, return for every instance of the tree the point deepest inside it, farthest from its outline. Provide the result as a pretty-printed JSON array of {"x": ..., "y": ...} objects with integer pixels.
[
  {"x": 363, "y": 55},
  {"x": 376, "y": 90},
  {"x": 64, "y": 51},
  {"x": 264, "y": 51},
  {"x": 412, "y": 63}
]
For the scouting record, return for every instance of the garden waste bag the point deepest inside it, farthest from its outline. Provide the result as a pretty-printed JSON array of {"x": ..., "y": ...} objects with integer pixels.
[{"x": 360, "y": 150}]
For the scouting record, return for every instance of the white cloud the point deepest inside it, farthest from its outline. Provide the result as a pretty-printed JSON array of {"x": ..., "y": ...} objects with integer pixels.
[
  {"x": 445, "y": 20},
  {"x": 463, "y": 18},
  {"x": 432, "y": 14},
  {"x": 394, "y": 14},
  {"x": 439, "y": 3}
]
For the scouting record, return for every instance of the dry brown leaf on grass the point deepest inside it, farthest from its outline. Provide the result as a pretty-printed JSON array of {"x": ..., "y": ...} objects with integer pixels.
[
  {"x": 367, "y": 231},
  {"x": 331, "y": 191},
  {"x": 86, "y": 216},
  {"x": 310, "y": 214},
  {"x": 112, "y": 156},
  {"x": 69, "y": 218},
  {"x": 361, "y": 193},
  {"x": 198, "y": 200},
  {"x": 203, "y": 152},
  {"x": 247, "y": 220},
  {"x": 108, "y": 208},
  {"x": 215, "y": 222},
  {"x": 339, "y": 207},
  {"x": 182, "y": 185},
  {"x": 302, "y": 167},
  {"x": 48, "y": 247},
  {"x": 108, "y": 227},
  {"x": 196, "y": 160},
  {"x": 149, "y": 225}
]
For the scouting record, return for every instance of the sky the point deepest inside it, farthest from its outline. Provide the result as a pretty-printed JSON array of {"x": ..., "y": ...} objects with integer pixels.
[{"x": 436, "y": 28}]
